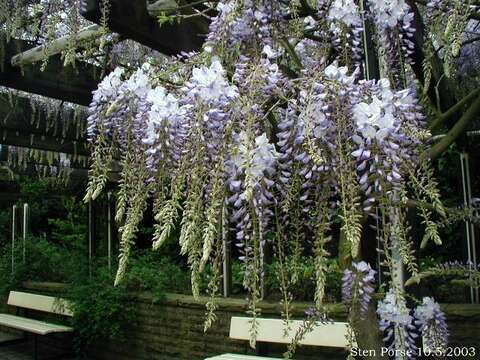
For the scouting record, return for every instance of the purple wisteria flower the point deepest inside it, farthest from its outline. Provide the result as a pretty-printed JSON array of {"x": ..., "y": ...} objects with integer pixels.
[
  {"x": 398, "y": 326},
  {"x": 291, "y": 137},
  {"x": 432, "y": 324},
  {"x": 208, "y": 84},
  {"x": 251, "y": 171},
  {"x": 105, "y": 93},
  {"x": 346, "y": 27},
  {"x": 262, "y": 78},
  {"x": 116, "y": 102},
  {"x": 359, "y": 284},
  {"x": 389, "y": 13},
  {"x": 166, "y": 128},
  {"x": 385, "y": 121},
  {"x": 310, "y": 54},
  {"x": 220, "y": 23},
  {"x": 394, "y": 23},
  {"x": 209, "y": 93}
]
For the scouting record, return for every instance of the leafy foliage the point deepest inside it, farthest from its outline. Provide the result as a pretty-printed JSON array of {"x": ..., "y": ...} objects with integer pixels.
[
  {"x": 276, "y": 131},
  {"x": 101, "y": 311}
]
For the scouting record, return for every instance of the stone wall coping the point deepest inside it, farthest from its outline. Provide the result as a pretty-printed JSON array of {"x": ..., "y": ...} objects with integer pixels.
[{"x": 240, "y": 305}]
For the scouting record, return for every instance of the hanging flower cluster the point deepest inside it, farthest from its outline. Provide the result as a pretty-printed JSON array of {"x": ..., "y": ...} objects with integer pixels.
[
  {"x": 251, "y": 171},
  {"x": 387, "y": 125},
  {"x": 358, "y": 285},
  {"x": 346, "y": 28},
  {"x": 166, "y": 128},
  {"x": 397, "y": 323},
  {"x": 394, "y": 25},
  {"x": 432, "y": 324},
  {"x": 268, "y": 137},
  {"x": 242, "y": 22},
  {"x": 402, "y": 330}
]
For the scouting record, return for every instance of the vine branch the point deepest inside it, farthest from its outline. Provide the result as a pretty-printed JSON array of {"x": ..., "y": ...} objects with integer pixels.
[
  {"x": 440, "y": 119},
  {"x": 472, "y": 112}
]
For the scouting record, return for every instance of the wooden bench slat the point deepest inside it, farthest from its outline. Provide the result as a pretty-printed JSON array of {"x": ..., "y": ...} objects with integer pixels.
[
  {"x": 272, "y": 331},
  {"x": 31, "y": 325},
  {"x": 40, "y": 303}
]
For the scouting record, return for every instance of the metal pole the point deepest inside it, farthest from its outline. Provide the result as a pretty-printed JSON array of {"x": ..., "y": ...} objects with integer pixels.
[
  {"x": 14, "y": 210},
  {"x": 109, "y": 230},
  {"x": 469, "y": 228},
  {"x": 90, "y": 236},
  {"x": 35, "y": 347},
  {"x": 25, "y": 229},
  {"x": 473, "y": 262},
  {"x": 379, "y": 245},
  {"x": 472, "y": 133}
]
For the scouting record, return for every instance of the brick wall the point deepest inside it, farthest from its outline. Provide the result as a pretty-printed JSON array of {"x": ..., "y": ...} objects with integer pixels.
[{"x": 173, "y": 330}]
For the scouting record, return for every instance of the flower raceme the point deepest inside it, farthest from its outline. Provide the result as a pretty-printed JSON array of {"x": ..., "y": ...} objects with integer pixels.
[
  {"x": 164, "y": 108},
  {"x": 397, "y": 322},
  {"x": 359, "y": 284},
  {"x": 432, "y": 323},
  {"x": 209, "y": 83},
  {"x": 398, "y": 325}
]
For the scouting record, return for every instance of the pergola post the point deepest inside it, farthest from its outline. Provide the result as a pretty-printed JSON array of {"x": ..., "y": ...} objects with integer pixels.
[
  {"x": 14, "y": 230},
  {"x": 109, "y": 229},
  {"x": 469, "y": 227},
  {"x": 91, "y": 235},
  {"x": 25, "y": 229}
]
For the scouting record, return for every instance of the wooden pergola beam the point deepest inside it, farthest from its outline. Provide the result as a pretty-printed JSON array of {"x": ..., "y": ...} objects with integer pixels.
[
  {"x": 17, "y": 128},
  {"x": 72, "y": 84},
  {"x": 132, "y": 20},
  {"x": 74, "y": 164},
  {"x": 42, "y": 52},
  {"x": 157, "y": 7},
  {"x": 17, "y": 138},
  {"x": 17, "y": 114}
]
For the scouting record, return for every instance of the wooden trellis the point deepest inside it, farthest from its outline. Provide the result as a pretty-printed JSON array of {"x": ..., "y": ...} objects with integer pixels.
[{"x": 21, "y": 69}]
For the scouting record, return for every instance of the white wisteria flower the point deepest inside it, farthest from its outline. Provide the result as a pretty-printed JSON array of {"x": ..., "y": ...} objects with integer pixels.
[
  {"x": 257, "y": 161},
  {"x": 376, "y": 119},
  {"x": 310, "y": 23},
  {"x": 264, "y": 157},
  {"x": 138, "y": 83},
  {"x": 391, "y": 310},
  {"x": 333, "y": 72},
  {"x": 109, "y": 85},
  {"x": 163, "y": 103},
  {"x": 373, "y": 120},
  {"x": 427, "y": 309},
  {"x": 432, "y": 323},
  {"x": 269, "y": 52},
  {"x": 164, "y": 107},
  {"x": 389, "y": 13},
  {"x": 344, "y": 11},
  {"x": 209, "y": 83}
]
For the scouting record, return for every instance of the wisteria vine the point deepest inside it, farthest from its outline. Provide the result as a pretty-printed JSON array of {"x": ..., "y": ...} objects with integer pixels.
[{"x": 268, "y": 136}]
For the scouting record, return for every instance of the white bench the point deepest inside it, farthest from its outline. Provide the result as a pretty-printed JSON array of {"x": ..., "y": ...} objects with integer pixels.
[
  {"x": 36, "y": 302},
  {"x": 272, "y": 331}
]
